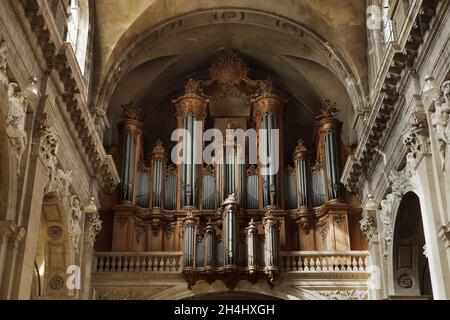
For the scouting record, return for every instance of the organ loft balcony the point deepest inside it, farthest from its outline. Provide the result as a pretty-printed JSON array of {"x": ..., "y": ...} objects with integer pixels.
[{"x": 266, "y": 206}]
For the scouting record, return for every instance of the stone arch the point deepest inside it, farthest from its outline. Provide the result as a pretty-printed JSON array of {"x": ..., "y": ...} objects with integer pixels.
[
  {"x": 54, "y": 251},
  {"x": 410, "y": 265},
  {"x": 125, "y": 58}
]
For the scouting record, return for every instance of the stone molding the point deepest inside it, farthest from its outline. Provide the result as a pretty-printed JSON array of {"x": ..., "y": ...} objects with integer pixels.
[{"x": 59, "y": 56}]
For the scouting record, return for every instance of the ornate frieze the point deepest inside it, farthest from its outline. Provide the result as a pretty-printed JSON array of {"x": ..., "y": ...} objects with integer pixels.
[
  {"x": 344, "y": 295},
  {"x": 386, "y": 97}
]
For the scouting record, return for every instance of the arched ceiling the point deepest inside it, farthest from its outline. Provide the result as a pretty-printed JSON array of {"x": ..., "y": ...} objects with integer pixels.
[
  {"x": 120, "y": 23},
  {"x": 139, "y": 59}
]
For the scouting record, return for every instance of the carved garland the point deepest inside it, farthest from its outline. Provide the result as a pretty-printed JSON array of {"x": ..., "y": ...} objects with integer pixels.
[{"x": 58, "y": 181}]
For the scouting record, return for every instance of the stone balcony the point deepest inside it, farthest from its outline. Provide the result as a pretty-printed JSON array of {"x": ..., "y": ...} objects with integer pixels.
[{"x": 157, "y": 275}]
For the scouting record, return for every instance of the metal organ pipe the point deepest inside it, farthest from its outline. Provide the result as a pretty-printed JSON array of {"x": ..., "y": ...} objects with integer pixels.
[
  {"x": 191, "y": 112},
  {"x": 271, "y": 243},
  {"x": 158, "y": 160},
  {"x": 329, "y": 128},
  {"x": 230, "y": 230},
  {"x": 131, "y": 129},
  {"x": 189, "y": 240},
  {"x": 301, "y": 157},
  {"x": 170, "y": 188},
  {"x": 268, "y": 113}
]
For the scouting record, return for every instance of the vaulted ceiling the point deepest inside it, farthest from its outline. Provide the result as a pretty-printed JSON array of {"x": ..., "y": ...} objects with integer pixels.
[{"x": 313, "y": 49}]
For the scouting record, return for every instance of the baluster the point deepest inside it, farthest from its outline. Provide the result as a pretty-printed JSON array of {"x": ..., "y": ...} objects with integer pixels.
[
  {"x": 131, "y": 265},
  {"x": 318, "y": 264},
  {"x": 325, "y": 264},
  {"x": 113, "y": 264},
  {"x": 296, "y": 260},
  {"x": 349, "y": 263},
  {"x": 306, "y": 264},
  {"x": 144, "y": 263},
  {"x": 366, "y": 263},
  {"x": 137, "y": 266},
  {"x": 177, "y": 263},
  {"x": 100, "y": 264},
  {"x": 342, "y": 263},
  {"x": 312, "y": 264},
  {"x": 125, "y": 264},
  {"x": 355, "y": 264},
  {"x": 149, "y": 264},
  {"x": 170, "y": 264},
  {"x": 361, "y": 264},
  {"x": 338, "y": 266},
  {"x": 160, "y": 263},
  {"x": 119, "y": 264},
  {"x": 107, "y": 265}
]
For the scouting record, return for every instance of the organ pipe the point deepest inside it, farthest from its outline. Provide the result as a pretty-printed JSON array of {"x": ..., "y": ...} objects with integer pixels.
[
  {"x": 131, "y": 131},
  {"x": 329, "y": 131},
  {"x": 189, "y": 239},
  {"x": 252, "y": 188},
  {"x": 191, "y": 112},
  {"x": 301, "y": 158},
  {"x": 268, "y": 112},
  {"x": 271, "y": 240},
  {"x": 209, "y": 244},
  {"x": 170, "y": 188},
  {"x": 252, "y": 238},
  {"x": 158, "y": 161},
  {"x": 230, "y": 230}
]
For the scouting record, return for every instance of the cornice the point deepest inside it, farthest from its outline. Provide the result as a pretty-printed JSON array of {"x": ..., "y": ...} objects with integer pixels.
[
  {"x": 60, "y": 57},
  {"x": 392, "y": 75}
]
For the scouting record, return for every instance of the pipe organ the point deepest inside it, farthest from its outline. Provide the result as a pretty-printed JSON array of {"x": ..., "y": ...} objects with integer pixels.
[{"x": 231, "y": 217}]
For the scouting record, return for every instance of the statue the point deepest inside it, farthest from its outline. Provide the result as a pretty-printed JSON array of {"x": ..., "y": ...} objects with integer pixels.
[
  {"x": 74, "y": 222},
  {"x": 15, "y": 121}
]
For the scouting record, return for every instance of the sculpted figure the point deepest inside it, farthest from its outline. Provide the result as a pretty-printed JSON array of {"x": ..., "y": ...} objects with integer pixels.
[{"x": 15, "y": 120}]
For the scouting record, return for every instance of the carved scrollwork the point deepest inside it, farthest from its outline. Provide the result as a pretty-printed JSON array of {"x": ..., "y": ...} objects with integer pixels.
[
  {"x": 416, "y": 137},
  {"x": 322, "y": 228},
  {"x": 368, "y": 225}
]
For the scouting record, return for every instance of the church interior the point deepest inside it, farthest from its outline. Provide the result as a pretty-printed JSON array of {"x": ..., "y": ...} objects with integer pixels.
[{"x": 210, "y": 150}]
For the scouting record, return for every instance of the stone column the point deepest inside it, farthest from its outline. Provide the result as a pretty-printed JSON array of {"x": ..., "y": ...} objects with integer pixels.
[
  {"x": 43, "y": 158},
  {"x": 416, "y": 138},
  {"x": 10, "y": 237}
]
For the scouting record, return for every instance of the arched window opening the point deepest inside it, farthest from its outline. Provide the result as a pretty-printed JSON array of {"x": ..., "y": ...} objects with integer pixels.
[
  {"x": 73, "y": 20},
  {"x": 77, "y": 30},
  {"x": 388, "y": 23},
  {"x": 411, "y": 271}
]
